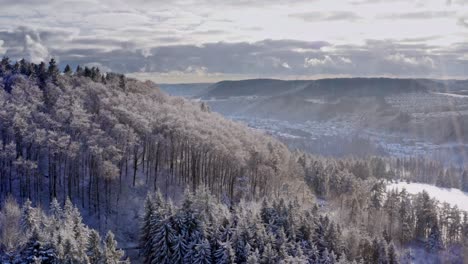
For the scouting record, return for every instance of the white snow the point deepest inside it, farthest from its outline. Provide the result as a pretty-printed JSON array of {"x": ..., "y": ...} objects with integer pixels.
[{"x": 449, "y": 195}]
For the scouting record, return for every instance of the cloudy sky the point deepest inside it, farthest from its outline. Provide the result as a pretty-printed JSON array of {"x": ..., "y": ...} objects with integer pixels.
[{"x": 210, "y": 40}]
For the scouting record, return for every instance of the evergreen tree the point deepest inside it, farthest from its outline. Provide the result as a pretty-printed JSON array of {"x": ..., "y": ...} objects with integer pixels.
[
  {"x": 145, "y": 233},
  {"x": 434, "y": 241},
  {"x": 202, "y": 253},
  {"x": 382, "y": 252},
  {"x": 36, "y": 248},
  {"x": 68, "y": 71},
  {"x": 327, "y": 257},
  {"x": 225, "y": 253},
  {"x": 253, "y": 258},
  {"x": 464, "y": 181},
  {"x": 93, "y": 249},
  {"x": 30, "y": 217},
  {"x": 111, "y": 254},
  {"x": 53, "y": 71},
  {"x": 269, "y": 255},
  {"x": 179, "y": 249},
  {"x": 55, "y": 210},
  {"x": 122, "y": 82},
  {"x": 79, "y": 71},
  {"x": 161, "y": 242},
  {"x": 392, "y": 255}
]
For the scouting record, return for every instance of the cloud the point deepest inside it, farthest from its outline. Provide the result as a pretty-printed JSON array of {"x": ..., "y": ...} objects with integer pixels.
[
  {"x": 313, "y": 62},
  {"x": 285, "y": 65},
  {"x": 402, "y": 59},
  {"x": 420, "y": 15},
  {"x": 327, "y": 61},
  {"x": 269, "y": 57},
  {"x": 2, "y": 49},
  {"x": 458, "y": 2},
  {"x": 463, "y": 21},
  {"x": 27, "y": 43},
  {"x": 326, "y": 16},
  {"x": 34, "y": 51}
]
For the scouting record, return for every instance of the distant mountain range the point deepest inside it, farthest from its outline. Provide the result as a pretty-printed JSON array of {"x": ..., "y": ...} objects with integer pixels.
[
  {"x": 427, "y": 108},
  {"x": 329, "y": 87}
]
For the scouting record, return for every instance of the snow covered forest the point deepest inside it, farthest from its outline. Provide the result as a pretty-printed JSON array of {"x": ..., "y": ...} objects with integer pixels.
[{"x": 98, "y": 143}]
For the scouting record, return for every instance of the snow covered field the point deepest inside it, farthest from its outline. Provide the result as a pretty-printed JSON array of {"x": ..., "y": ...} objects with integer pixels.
[{"x": 448, "y": 195}]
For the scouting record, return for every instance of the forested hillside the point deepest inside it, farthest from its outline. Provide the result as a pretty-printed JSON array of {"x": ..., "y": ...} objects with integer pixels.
[
  {"x": 75, "y": 134},
  {"x": 99, "y": 143},
  {"x": 103, "y": 141}
]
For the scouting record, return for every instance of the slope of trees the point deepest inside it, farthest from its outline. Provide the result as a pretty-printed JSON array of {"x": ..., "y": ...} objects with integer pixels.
[
  {"x": 277, "y": 231},
  {"x": 103, "y": 141},
  {"x": 94, "y": 138},
  {"x": 29, "y": 235},
  {"x": 357, "y": 196}
]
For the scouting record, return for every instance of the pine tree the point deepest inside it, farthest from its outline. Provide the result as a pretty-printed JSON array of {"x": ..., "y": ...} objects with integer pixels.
[
  {"x": 161, "y": 242},
  {"x": 80, "y": 234},
  {"x": 79, "y": 71},
  {"x": 30, "y": 217},
  {"x": 464, "y": 181},
  {"x": 225, "y": 253},
  {"x": 382, "y": 251},
  {"x": 240, "y": 249},
  {"x": 327, "y": 257},
  {"x": 68, "y": 71},
  {"x": 269, "y": 255},
  {"x": 111, "y": 254},
  {"x": 314, "y": 253},
  {"x": 93, "y": 249},
  {"x": 36, "y": 248},
  {"x": 253, "y": 258},
  {"x": 53, "y": 71},
  {"x": 342, "y": 259},
  {"x": 392, "y": 255},
  {"x": 366, "y": 251},
  {"x": 434, "y": 241},
  {"x": 70, "y": 253},
  {"x": 55, "y": 210},
  {"x": 202, "y": 253},
  {"x": 179, "y": 249},
  {"x": 145, "y": 233},
  {"x": 122, "y": 82}
]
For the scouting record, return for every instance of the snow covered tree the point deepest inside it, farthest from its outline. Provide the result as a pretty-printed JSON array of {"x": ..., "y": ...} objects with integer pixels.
[
  {"x": 327, "y": 257},
  {"x": 161, "y": 241},
  {"x": 269, "y": 255},
  {"x": 202, "y": 254},
  {"x": 10, "y": 227},
  {"x": 30, "y": 217},
  {"x": 253, "y": 258},
  {"x": 179, "y": 248},
  {"x": 111, "y": 254},
  {"x": 145, "y": 235},
  {"x": 434, "y": 242},
  {"x": 392, "y": 255},
  {"x": 226, "y": 254},
  {"x": 67, "y": 70},
  {"x": 93, "y": 249}
]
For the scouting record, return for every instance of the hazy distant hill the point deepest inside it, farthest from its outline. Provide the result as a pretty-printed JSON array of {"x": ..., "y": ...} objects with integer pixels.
[
  {"x": 329, "y": 87},
  {"x": 423, "y": 108},
  {"x": 362, "y": 87},
  {"x": 185, "y": 89},
  {"x": 253, "y": 87}
]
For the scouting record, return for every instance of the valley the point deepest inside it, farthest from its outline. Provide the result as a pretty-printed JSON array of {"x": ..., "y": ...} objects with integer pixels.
[{"x": 422, "y": 118}]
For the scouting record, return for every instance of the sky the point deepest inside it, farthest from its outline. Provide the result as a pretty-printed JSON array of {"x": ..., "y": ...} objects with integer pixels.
[{"x": 182, "y": 41}]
